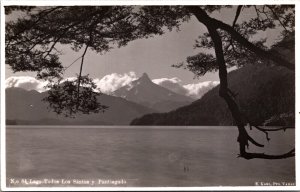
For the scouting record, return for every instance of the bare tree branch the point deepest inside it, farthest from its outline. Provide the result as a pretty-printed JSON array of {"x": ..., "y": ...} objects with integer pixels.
[
  {"x": 237, "y": 14},
  {"x": 273, "y": 12},
  {"x": 80, "y": 72},
  {"x": 72, "y": 63}
]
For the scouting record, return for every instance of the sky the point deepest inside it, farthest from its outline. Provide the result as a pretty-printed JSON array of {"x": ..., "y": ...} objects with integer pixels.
[{"x": 153, "y": 56}]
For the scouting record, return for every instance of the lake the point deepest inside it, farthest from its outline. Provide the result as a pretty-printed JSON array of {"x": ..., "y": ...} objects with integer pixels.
[{"x": 141, "y": 157}]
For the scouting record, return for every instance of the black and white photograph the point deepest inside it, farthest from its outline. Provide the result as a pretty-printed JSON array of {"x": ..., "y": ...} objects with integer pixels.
[{"x": 147, "y": 96}]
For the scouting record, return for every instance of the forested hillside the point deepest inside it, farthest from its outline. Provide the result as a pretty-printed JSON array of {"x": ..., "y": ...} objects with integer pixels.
[{"x": 265, "y": 94}]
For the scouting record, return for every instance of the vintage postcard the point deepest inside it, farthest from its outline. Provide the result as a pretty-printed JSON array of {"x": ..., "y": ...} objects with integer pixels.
[{"x": 139, "y": 95}]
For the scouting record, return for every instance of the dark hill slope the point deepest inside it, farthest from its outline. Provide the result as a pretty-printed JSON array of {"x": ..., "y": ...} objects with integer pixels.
[
  {"x": 26, "y": 107},
  {"x": 264, "y": 92}
]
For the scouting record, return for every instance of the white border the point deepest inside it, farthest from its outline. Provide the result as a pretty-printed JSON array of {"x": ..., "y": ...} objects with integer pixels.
[
  {"x": 145, "y": 2},
  {"x": 2, "y": 104},
  {"x": 297, "y": 96},
  {"x": 139, "y": 2},
  {"x": 151, "y": 189}
]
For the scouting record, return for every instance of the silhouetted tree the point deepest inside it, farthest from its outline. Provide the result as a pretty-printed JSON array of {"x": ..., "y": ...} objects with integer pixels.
[
  {"x": 31, "y": 41},
  {"x": 239, "y": 33}
]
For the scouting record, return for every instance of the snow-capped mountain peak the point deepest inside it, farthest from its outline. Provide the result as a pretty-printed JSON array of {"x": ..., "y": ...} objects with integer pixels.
[{"x": 147, "y": 93}]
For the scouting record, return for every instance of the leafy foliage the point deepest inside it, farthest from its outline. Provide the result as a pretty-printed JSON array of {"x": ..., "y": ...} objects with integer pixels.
[
  {"x": 64, "y": 98},
  {"x": 153, "y": 20},
  {"x": 31, "y": 41},
  {"x": 10, "y": 9},
  {"x": 199, "y": 64},
  {"x": 236, "y": 54}
]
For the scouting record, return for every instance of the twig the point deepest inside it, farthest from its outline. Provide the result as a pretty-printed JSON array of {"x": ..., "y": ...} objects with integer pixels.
[
  {"x": 262, "y": 130},
  {"x": 80, "y": 71},
  {"x": 253, "y": 141},
  {"x": 257, "y": 12},
  {"x": 277, "y": 17},
  {"x": 275, "y": 129},
  {"x": 72, "y": 63},
  {"x": 266, "y": 130},
  {"x": 52, "y": 47},
  {"x": 237, "y": 14}
]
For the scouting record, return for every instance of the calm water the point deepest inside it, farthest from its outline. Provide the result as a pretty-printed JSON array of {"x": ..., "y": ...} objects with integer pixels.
[{"x": 141, "y": 156}]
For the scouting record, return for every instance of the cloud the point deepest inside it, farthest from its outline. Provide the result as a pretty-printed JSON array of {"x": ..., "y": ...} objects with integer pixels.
[
  {"x": 197, "y": 90},
  {"x": 107, "y": 84},
  {"x": 172, "y": 84},
  {"x": 26, "y": 82},
  {"x": 114, "y": 81},
  {"x": 69, "y": 79}
]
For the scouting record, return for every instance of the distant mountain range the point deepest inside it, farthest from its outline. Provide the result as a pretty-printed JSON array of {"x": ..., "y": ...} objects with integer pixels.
[
  {"x": 143, "y": 91},
  {"x": 137, "y": 99},
  {"x": 26, "y": 107}
]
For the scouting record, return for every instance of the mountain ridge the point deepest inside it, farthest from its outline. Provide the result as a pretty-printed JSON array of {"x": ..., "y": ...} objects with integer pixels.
[
  {"x": 27, "y": 106},
  {"x": 143, "y": 91}
]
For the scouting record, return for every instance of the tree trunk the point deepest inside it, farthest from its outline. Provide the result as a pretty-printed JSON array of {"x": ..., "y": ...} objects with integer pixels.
[{"x": 225, "y": 93}]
